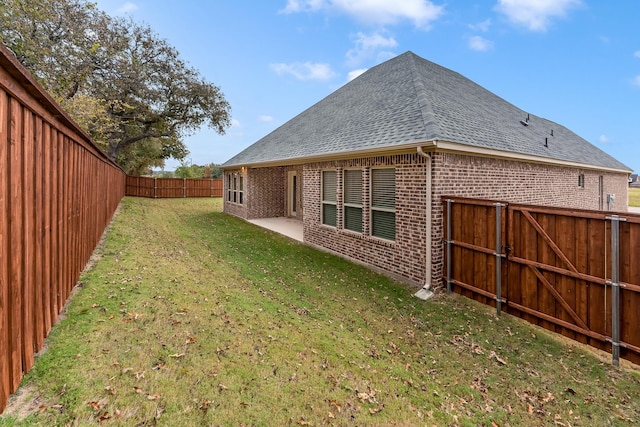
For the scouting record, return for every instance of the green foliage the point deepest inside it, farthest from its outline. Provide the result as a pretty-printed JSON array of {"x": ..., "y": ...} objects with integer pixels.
[
  {"x": 194, "y": 171},
  {"x": 127, "y": 87},
  {"x": 194, "y": 317},
  {"x": 189, "y": 171}
]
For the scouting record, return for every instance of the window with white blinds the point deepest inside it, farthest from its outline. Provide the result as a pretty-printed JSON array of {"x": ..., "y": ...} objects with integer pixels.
[
  {"x": 329, "y": 213},
  {"x": 383, "y": 203},
  {"x": 352, "y": 203}
]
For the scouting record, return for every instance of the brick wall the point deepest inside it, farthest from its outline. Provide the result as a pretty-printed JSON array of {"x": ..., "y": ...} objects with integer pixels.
[
  {"x": 406, "y": 257},
  {"x": 265, "y": 192},
  {"x": 452, "y": 175},
  {"x": 520, "y": 182}
]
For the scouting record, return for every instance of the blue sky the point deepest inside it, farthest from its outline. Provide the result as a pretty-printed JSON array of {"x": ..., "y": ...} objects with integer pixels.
[{"x": 576, "y": 62}]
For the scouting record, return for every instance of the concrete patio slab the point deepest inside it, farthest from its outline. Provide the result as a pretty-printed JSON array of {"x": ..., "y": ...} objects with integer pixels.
[{"x": 289, "y": 227}]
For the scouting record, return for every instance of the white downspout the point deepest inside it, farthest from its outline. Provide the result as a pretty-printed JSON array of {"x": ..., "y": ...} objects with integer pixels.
[{"x": 425, "y": 292}]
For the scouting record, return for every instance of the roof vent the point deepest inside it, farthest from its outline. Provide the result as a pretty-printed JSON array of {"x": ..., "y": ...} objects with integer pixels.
[
  {"x": 546, "y": 142},
  {"x": 525, "y": 122},
  {"x": 551, "y": 132}
]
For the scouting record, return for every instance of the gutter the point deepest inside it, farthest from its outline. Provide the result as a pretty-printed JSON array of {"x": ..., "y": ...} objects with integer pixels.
[{"x": 426, "y": 292}]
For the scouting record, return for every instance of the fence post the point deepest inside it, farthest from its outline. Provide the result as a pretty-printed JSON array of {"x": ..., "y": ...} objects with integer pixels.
[
  {"x": 449, "y": 242},
  {"x": 615, "y": 288},
  {"x": 211, "y": 184},
  {"x": 498, "y": 255},
  {"x": 155, "y": 188},
  {"x": 184, "y": 187}
]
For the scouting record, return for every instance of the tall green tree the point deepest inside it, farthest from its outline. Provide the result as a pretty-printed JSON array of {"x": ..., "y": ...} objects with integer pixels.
[{"x": 117, "y": 78}]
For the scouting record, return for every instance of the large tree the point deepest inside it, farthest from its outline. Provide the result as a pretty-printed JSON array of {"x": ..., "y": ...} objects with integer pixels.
[{"x": 120, "y": 81}]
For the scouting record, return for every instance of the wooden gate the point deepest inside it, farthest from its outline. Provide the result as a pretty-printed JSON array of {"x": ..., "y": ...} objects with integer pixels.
[{"x": 573, "y": 272}]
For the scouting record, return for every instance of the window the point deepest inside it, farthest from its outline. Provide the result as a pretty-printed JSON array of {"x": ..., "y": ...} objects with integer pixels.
[
  {"x": 235, "y": 188},
  {"x": 328, "y": 198},
  {"x": 383, "y": 203},
  {"x": 581, "y": 180},
  {"x": 352, "y": 203}
]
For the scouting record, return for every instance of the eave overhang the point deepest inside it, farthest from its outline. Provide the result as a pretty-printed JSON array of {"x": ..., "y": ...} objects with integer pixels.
[{"x": 427, "y": 146}]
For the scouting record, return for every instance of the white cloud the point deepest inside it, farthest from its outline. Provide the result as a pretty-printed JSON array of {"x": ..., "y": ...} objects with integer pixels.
[
  {"x": 265, "y": 119},
  {"x": 128, "y": 7},
  {"x": 636, "y": 53},
  {"x": 367, "y": 46},
  {"x": 355, "y": 73},
  {"x": 480, "y": 44},
  {"x": 604, "y": 139},
  {"x": 235, "y": 123},
  {"x": 535, "y": 14},
  {"x": 305, "y": 70},
  {"x": 636, "y": 81},
  {"x": 421, "y": 12},
  {"x": 481, "y": 26}
]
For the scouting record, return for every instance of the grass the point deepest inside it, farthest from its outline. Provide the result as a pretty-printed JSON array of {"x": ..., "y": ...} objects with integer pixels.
[
  {"x": 193, "y": 317},
  {"x": 634, "y": 197}
]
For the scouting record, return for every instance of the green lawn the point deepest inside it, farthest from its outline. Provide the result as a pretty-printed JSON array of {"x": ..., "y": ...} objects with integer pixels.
[
  {"x": 634, "y": 197},
  {"x": 192, "y": 317}
]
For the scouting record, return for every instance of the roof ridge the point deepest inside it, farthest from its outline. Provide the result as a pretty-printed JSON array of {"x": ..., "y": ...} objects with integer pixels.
[{"x": 426, "y": 108}]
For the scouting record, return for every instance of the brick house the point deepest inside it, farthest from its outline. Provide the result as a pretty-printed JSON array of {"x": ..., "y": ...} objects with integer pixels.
[{"x": 365, "y": 168}]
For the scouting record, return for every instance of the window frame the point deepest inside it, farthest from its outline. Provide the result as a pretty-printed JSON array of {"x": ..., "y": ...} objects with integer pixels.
[
  {"x": 328, "y": 202},
  {"x": 235, "y": 188},
  {"x": 349, "y": 205},
  {"x": 373, "y": 209}
]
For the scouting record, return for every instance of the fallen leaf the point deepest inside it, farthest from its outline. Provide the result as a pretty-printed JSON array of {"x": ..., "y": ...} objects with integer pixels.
[
  {"x": 337, "y": 405},
  {"x": 138, "y": 390},
  {"x": 493, "y": 355},
  {"x": 153, "y": 396},
  {"x": 95, "y": 405},
  {"x": 177, "y": 355},
  {"x": 548, "y": 399}
]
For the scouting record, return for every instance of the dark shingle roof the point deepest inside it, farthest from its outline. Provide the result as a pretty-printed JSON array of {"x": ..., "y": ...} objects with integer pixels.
[{"x": 409, "y": 100}]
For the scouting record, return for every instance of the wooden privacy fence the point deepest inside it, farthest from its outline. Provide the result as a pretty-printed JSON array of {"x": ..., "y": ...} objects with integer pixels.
[
  {"x": 142, "y": 186},
  {"x": 573, "y": 272},
  {"x": 58, "y": 192}
]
